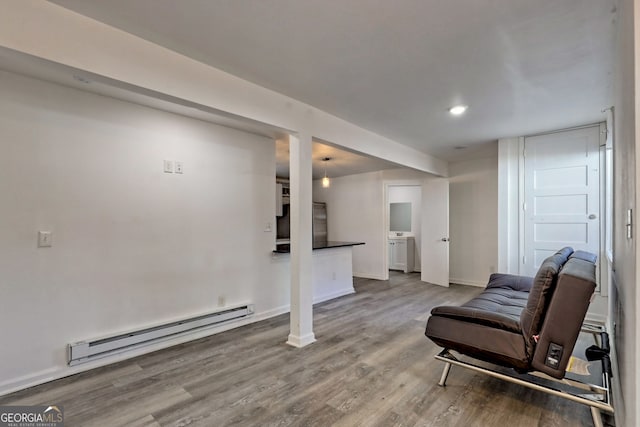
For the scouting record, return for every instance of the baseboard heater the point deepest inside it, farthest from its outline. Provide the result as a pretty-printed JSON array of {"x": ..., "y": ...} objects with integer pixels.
[{"x": 85, "y": 351}]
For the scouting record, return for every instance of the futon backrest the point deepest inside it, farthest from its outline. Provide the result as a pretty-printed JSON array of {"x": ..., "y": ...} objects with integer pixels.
[
  {"x": 565, "y": 315},
  {"x": 540, "y": 294}
]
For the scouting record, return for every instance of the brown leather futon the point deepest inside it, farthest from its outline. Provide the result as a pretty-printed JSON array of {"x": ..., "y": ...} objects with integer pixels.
[{"x": 530, "y": 324}]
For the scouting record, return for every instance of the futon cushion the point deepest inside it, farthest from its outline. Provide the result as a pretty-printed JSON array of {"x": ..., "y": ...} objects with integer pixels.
[
  {"x": 510, "y": 281},
  {"x": 495, "y": 307},
  {"x": 539, "y": 296},
  {"x": 493, "y": 345},
  {"x": 585, "y": 256}
]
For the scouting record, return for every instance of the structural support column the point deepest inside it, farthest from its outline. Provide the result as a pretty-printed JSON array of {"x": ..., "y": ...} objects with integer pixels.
[{"x": 301, "y": 187}]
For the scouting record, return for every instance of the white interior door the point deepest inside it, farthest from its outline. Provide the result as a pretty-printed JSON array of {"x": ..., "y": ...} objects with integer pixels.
[
  {"x": 435, "y": 231},
  {"x": 561, "y": 194}
]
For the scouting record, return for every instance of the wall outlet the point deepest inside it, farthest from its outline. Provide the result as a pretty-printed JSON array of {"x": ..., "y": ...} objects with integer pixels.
[
  {"x": 179, "y": 167},
  {"x": 333, "y": 276},
  {"x": 168, "y": 166},
  {"x": 221, "y": 301},
  {"x": 268, "y": 228}
]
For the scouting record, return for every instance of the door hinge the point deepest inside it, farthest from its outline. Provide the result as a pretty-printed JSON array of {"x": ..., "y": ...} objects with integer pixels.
[
  {"x": 524, "y": 206},
  {"x": 524, "y": 259}
]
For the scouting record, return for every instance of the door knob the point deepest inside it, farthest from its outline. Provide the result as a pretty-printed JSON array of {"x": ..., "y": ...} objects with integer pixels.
[
  {"x": 445, "y": 239},
  {"x": 592, "y": 216}
]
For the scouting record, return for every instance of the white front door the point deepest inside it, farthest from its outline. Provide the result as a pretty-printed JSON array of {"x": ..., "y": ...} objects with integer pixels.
[
  {"x": 561, "y": 194},
  {"x": 435, "y": 231}
]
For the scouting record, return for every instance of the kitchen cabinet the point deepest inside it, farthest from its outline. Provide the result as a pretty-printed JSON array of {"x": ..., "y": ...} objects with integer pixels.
[{"x": 401, "y": 253}]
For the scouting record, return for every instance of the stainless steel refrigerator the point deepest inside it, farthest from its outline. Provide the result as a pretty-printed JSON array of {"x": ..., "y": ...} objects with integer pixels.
[{"x": 319, "y": 223}]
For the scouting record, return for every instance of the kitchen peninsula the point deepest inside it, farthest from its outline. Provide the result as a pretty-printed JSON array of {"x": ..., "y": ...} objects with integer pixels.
[
  {"x": 285, "y": 248},
  {"x": 332, "y": 268}
]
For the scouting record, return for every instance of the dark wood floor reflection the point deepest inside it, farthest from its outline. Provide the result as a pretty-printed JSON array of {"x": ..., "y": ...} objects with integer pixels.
[{"x": 371, "y": 366}]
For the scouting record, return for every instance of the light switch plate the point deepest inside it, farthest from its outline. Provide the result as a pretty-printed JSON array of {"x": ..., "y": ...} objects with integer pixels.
[
  {"x": 178, "y": 168},
  {"x": 45, "y": 239},
  {"x": 168, "y": 166}
]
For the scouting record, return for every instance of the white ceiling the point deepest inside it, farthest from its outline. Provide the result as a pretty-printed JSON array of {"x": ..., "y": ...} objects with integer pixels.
[
  {"x": 394, "y": 67},
  {"x": 341, "y": 162}
]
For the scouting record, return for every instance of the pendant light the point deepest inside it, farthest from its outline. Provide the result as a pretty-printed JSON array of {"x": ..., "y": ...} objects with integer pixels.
[{"x": 326, "y": 183}]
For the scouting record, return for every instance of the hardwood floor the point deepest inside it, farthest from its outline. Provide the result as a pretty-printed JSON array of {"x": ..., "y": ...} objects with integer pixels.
[{"x": 371, "y": 366}]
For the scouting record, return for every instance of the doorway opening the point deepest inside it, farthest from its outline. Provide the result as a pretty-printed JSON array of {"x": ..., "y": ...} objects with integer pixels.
[{"x": 404, "y": 227}]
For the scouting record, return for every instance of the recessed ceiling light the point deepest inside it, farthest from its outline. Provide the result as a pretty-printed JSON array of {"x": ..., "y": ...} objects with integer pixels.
[{"x": 458, "y": 110}]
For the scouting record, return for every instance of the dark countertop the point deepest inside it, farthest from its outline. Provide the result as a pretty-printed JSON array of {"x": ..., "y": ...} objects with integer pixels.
[{"x": 286, "y": 247}]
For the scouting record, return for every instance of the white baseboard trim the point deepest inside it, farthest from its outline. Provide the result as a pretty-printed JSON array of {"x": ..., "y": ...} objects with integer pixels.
[
  {"x": 299, "y": 342},
  {"x": 596, "y": 318},
  {"x": 57, "y": 373},
  {"x": 467, "y": 282},
  {"x": 271, "y": 313},
  {"x": 333, "y": 295},
  {"x": 368, "y": 276}
]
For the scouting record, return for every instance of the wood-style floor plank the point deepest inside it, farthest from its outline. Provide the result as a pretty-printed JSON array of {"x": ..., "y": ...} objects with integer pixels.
[{"x": 371, "y": 366}]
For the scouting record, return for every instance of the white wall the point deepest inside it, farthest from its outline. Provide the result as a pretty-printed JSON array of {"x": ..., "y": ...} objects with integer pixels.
[
  {"x": 132, "y": 246},
  {"x": 624, "y": 296},
  {"x": 509, "y": 165},
  {"x": 410, "y": 194},
  {"x": 473, "y": 220},
  {"x": 355, "y": 208}
]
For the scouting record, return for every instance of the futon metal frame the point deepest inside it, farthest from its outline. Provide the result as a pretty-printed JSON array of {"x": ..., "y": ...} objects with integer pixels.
[{"x": 598, "y": 400}]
